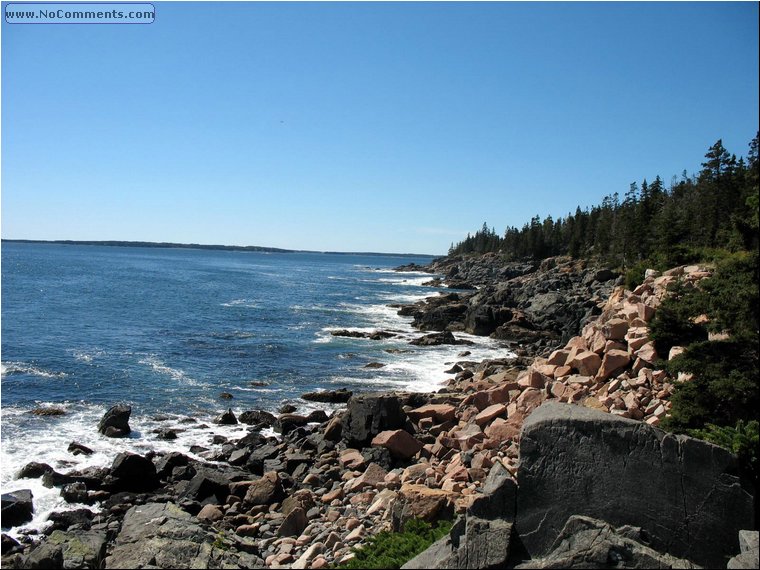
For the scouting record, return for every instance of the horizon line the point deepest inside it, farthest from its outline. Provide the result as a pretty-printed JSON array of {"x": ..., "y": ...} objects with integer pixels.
[{"x": 176, "y": 245}]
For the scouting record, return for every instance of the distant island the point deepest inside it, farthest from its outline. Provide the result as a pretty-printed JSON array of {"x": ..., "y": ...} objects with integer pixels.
[{"x": 115, "y": 243}]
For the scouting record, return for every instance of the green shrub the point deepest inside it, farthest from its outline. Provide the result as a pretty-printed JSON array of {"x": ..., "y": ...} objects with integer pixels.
[
  {"x": 673, "y": 323},
  {"x": 634, "y": 275},
  {"x": 742, "y": 440},
  {"x": 724, "y": 388},
  {"x": 392, "y": 549}
]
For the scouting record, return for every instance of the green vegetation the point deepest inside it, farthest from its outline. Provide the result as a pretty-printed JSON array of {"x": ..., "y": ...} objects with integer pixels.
[
  {"x": 392, "y": 549},
  {"x": 743, "y": 440}
]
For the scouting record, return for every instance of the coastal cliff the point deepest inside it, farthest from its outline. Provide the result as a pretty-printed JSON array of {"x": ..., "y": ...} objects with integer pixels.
[{"x": 549, "y": 459}]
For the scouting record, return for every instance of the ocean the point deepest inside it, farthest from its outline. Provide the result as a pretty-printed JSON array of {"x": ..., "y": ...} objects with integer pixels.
[{"x": 169, "y": 330}]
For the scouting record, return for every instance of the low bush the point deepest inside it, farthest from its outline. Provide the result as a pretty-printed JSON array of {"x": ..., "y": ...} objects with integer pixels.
[{"x": 392, "y": 549}]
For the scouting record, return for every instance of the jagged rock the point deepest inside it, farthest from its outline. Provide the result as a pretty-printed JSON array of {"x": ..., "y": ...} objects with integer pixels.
[
  {"x": 226, "y": 419},
  {"x": 367, "y": 415},
  {"x": 17, "y": 508},
  {"x": 679, "y": 490},
  {"x": 115, "y": 422},
  {"x": 585, "y": 542}
]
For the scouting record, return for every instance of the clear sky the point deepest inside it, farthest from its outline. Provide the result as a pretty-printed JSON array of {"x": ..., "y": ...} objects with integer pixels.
[{"x": 394, "y": 127}]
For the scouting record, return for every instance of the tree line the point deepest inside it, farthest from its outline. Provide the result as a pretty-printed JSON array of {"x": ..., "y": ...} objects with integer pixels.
[{"x": 717, "y": 208}]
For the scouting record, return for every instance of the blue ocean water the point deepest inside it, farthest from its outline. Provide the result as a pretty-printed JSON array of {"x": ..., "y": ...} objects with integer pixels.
[{"x": 168, "y": 330}]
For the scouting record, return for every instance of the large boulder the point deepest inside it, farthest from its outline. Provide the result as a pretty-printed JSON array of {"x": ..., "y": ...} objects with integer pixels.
[
  {"x": 17, "y": 508},
  {"x": 368, "y": 415},
  {"x": 115, "y": 422},
  {"x": 132, "y": 472},
  {"x": 680, "y": 491}
]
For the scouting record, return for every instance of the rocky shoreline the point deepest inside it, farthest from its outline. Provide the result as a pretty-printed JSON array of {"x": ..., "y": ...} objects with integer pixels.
[{"x": 475, "y": 451}]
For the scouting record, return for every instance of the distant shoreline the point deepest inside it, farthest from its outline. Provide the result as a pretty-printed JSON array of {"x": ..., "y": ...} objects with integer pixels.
[{"x": 171, "y": 245}]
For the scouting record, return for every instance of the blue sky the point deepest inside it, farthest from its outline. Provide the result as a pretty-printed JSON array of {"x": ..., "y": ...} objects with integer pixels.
[{"x": 393, "y": 127}]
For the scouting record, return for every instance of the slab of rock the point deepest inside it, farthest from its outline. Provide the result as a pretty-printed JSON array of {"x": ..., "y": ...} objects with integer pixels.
[
  {"x": 115, "y": 422},
  {"x": 679, "y": 490},
  {"x": 398, "y": 442},
  {"x": 17, "y": 508}
]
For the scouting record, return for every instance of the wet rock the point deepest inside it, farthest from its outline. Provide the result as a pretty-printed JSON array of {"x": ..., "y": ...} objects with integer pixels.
[
  {"x": 226, "y": 419},
  {"x": 17, "y": 508},
  {"x": 115, "y": 422},
  {"x": 79, "y": 449},
  {"x": 33, "y": 470},
  {"x": 329, "y": 396}
]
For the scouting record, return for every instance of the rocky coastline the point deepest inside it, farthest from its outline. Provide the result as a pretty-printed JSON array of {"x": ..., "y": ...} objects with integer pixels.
[{"x": 548, "y": 459}]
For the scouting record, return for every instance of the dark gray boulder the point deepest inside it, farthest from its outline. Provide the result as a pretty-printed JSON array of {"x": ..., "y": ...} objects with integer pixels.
[
  {"x": 132, "y": 472},
  {"x": 79, "y": 449},
  {"x": 369, "y": 414},
  {"x": 680, "y": 491},
  {"x": 590, "y": 543},
  {"x": 226, "y": 419},
  {"x": 115, "y": 422},
  {"x": 17, "y": 508},
  {"x": 257, "y": 417}
]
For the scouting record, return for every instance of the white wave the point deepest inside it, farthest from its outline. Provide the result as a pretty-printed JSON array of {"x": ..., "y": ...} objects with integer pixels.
[
  {"x": 87, "y": 356},
  {"x": 247, "y": 303},
  {"x": 8, "y": 368},
  {"x": 79, "y": 424}
]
